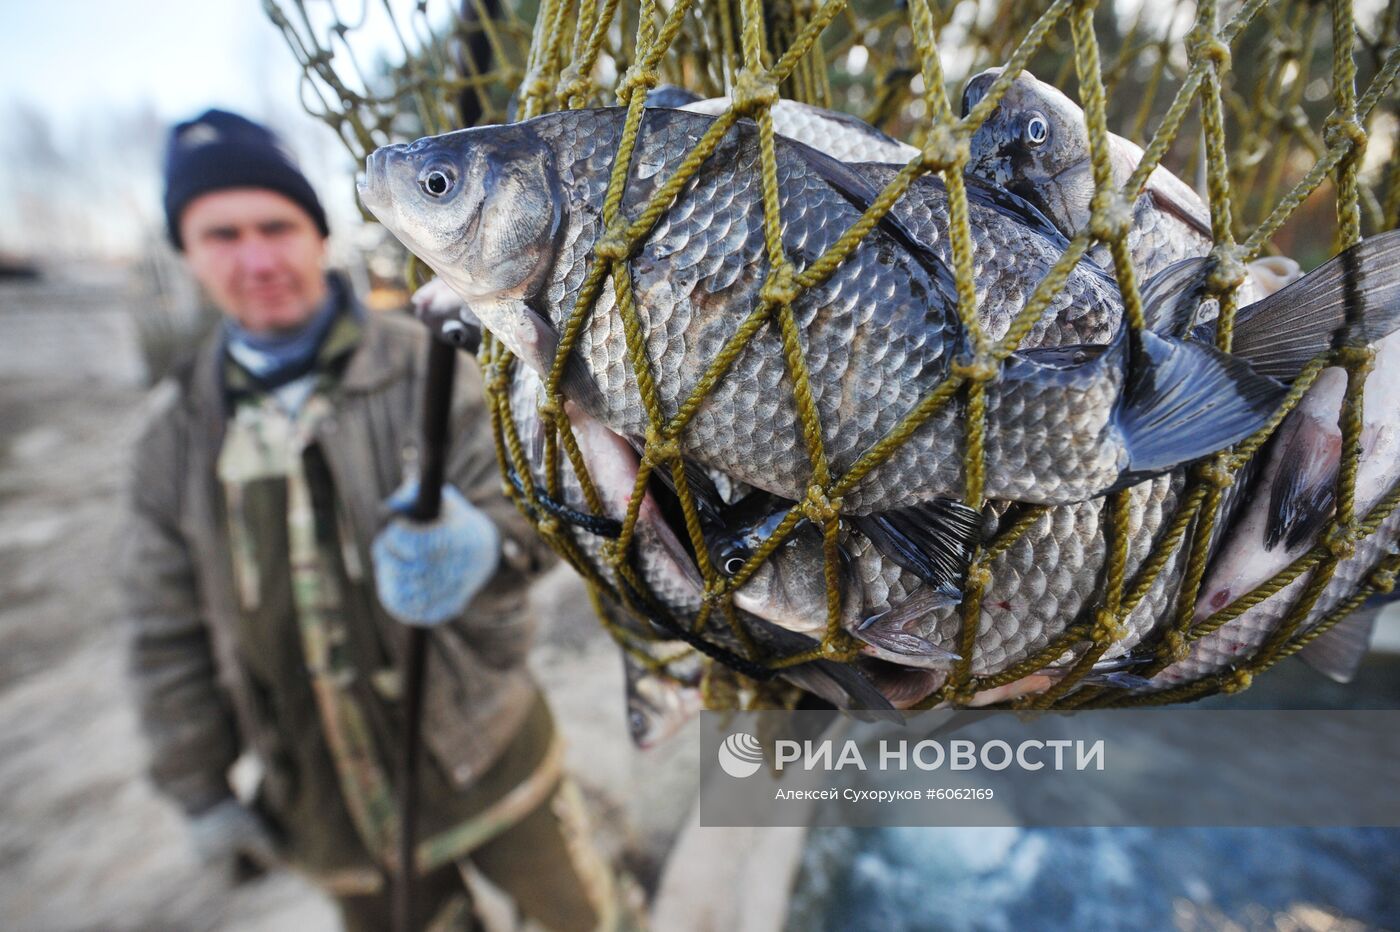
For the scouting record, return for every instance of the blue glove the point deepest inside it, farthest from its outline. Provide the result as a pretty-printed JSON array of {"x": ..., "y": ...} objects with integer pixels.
[{"x": 427, "y": 573}]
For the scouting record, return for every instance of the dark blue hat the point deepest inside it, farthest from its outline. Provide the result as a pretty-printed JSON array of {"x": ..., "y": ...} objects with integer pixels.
[{"x": 217, "y": 150}]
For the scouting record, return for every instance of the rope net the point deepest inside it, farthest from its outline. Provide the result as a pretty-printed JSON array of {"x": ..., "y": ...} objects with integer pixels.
[{"x": 1272, "y": 106}]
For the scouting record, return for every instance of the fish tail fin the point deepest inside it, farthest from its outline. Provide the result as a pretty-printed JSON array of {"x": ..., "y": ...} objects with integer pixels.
[
  {"x": 1187, "y": 400},
  {"x": 1353, "y": 296}
]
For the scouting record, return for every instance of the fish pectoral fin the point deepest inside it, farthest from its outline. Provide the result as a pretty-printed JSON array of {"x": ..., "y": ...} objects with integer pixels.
[
  {"x": 1304, "y": 496},
  {"x": 1170, "y": 298},
  {"x": 702, "y": 488},
  {"x": 1354, "y": 296},
  {"x": 932, "y": 539},
  {"x": 1186, "y": 400},
  {"x": 1337, "y": 653}
]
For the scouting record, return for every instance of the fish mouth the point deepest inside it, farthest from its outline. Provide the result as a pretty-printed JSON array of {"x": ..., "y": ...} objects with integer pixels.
[{"x": 372, "y": 186}]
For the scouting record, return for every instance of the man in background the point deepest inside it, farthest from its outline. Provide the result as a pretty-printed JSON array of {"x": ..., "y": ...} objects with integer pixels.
[{"x": 265, "y": 653}]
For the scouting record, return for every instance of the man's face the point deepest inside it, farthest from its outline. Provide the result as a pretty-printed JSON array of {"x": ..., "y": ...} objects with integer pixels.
[{"x": 259, "y": 256}]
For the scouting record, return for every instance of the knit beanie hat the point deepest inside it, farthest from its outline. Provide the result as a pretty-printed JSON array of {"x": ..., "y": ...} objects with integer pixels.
[{"x": 217, "y": 150}]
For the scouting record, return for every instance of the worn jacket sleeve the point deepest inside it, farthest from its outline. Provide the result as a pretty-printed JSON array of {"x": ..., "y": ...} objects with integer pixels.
[
  {"x": 183, "y": 712},
  {"x": 496, "y": 623}
]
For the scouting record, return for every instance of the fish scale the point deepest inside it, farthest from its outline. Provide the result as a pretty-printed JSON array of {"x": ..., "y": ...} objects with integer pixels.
[
  {"x": 1238, "y": 639},
  {"x": 1008, "y": 263},
  {"x": 917, "y": 325},
  {"x": 876, "y": 336},
  {"x": 1039, "y": 586}
]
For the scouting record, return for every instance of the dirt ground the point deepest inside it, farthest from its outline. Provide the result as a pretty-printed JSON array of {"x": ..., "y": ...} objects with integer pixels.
[{"x": 85, "y": 842}]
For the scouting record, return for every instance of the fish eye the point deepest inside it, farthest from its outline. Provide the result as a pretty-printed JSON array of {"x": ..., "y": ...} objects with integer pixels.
[
  {"x": 437, "y": 181},
  {"x": 1037, "y": 130},
  {"x": 732, "y": 559}
]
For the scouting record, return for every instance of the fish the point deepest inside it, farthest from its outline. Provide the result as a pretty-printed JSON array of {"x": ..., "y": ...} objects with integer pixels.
[
  {"x": 658, "y": 704},
  {"x": 1290, "y": 505},
  {"x": 1048, "y": 579},
  {"x": 515, "y": 238},
  {"x": 674, "y": 587},
  {"x": 528, "y": 286},
  {"x": 839, "y": 135},
  {"x": 1036, "y": 144}
]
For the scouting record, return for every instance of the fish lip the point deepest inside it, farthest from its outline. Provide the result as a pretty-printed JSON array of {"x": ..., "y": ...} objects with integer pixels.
[{"x": 371, "y": 185}]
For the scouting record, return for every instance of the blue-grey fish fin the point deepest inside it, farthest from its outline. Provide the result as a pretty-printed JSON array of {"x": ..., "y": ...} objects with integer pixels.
[
  {"x": 577, "y": 382},
  {"x": 1337, "y": 653},
  {"x": 840, "y": 684},
  {"x": 1304, "y": 495},
  {"x": 1116, "y": 679},
  {"x": 1170, "y": 298},
  {"x": 860, "y": 193},
  {"x": 933, "y": 539},
  {"x": 670, "y": 97},
  {"x": 702, "y": 489},
  {"x": 1354, "y": 295},
  {"x": 902, "y": 684},
  {"x": 890, "y": 629},
  {"x": 1012, "y": 205},
  {"x": 1184, "y": 401}
]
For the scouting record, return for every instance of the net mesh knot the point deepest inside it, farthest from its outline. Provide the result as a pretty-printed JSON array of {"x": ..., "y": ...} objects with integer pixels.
[
  {"x": 980, "y": 368},
  {"x": 780, "y": 288},
  {"x": 613, "y": 246},
  {"x": 1340, "y": 132},
  {"x": 1341, "y": 541},
  {"x": 1204, "y": 45},
  {"x": 1108, "y": 629},
  {"x": 1237, "y": 681},
  {"x": 945, "y": 148},
  {"x": 1115, "y": 219},
  {"x": 1228, "y": 270},
  {"x": 1215, "y": 475},
  {"x": 753, "y": 91},
  {"x": 634, "y": 78},
  {"x": 660, "y": 450},
  {"x": 818, "y": 508}
]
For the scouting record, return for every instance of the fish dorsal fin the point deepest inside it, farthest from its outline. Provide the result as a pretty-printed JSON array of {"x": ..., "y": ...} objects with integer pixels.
[
  {"x": 860, "y": 194},
  {"x": 1355, "y": 295},
  {"x": 1337, "y": 653}
]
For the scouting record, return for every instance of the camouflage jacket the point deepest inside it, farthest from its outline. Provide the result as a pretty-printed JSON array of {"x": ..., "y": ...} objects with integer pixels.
[{"x": 197, "y": 702}]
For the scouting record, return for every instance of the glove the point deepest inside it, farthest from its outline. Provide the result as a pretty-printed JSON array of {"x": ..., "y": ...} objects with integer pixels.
[
  {"x": 427, "y": 573},
  {"x": 229, "y": 834}
]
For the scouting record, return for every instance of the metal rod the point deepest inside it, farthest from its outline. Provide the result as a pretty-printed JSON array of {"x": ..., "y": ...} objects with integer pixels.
[{"x": 437, "y": 405}]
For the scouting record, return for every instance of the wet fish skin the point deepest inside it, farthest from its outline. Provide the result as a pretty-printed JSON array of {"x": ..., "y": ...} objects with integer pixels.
[
  {"x": 1042, "y": 583},
  {"x": 839, "y": 135},
  {"x": 881, "y": 331},
  {"x": 662, "y": 560},
  {"x": 1009, "y": 260},
  {"x": 1289, "y": 504},
  {"x": 1170, "y": 222}
]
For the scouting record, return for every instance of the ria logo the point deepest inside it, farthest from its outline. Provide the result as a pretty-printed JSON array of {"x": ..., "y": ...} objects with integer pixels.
[{"x": 740, "y": 755}]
